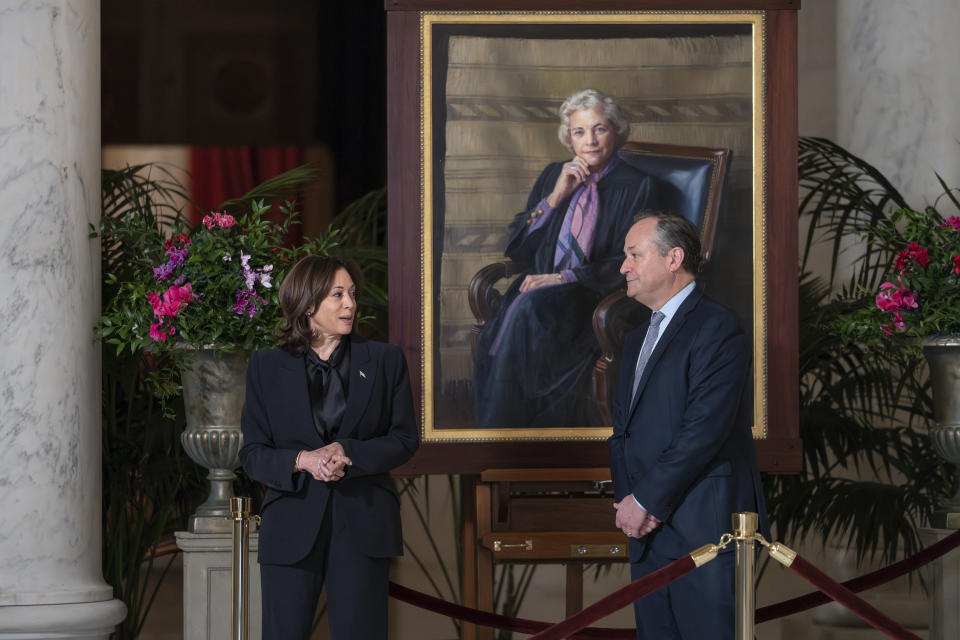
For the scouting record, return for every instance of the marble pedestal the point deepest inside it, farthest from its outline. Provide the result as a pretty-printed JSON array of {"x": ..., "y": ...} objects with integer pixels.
[
  {"x": 208, "y": 586},
  {"x": 943, "y": 577}
]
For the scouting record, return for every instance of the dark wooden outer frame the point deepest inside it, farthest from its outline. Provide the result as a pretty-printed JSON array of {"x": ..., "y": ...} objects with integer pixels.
[{"x": 780, "y": 451}]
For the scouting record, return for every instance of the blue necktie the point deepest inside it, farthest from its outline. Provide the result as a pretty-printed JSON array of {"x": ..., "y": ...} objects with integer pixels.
[{"x": 648, "y": 341}]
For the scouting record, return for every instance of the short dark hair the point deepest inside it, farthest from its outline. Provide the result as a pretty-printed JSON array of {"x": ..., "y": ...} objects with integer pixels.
[
  {"x": 301, "y": 291},
  {"x": 673, "y": 230}
]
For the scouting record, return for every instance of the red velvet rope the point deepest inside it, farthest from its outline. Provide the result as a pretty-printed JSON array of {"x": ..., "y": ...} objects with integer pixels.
[
  {"x": 862, "y": 583},
  {"x": 619, "y": 599},
  {"x": 424, "y": 601},
  {"x": 764, "y": 614},
  {"x": 572, "y": 627},
  {"x": 847, "y": 598}
]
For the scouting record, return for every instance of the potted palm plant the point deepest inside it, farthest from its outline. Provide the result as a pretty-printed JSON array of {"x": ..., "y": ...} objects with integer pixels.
[
  {"x": 870, "y": 479},
  {"x": 917, "y": 306}
]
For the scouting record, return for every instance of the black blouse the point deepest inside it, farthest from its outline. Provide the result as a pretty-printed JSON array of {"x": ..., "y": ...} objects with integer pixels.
[{"x": 328, "y": 382}]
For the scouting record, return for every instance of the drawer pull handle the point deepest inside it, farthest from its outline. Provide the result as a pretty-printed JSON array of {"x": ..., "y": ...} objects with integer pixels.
[
  {"x": 598, "y": 551},
  {"x": 526, "y": 545}
]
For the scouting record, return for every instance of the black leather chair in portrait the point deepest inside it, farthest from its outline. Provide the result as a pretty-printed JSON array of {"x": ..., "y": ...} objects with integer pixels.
[{"x": 694, "y": 182}]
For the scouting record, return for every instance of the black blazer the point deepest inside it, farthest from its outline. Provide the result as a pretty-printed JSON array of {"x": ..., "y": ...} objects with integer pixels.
[
  {"x": 684, "y": 448},
  {"x": 378, "y": 433}
]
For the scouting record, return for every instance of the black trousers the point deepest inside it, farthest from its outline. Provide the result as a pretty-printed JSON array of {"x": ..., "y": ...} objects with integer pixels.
[
  {"x": 699, "y": 605},
  {"x": 356, "y": 590}
]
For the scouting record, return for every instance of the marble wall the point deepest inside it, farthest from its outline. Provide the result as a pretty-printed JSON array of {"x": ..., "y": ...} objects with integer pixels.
[
  {"x": 50, "y": 577},
  {"x": 898, "y": 82}
]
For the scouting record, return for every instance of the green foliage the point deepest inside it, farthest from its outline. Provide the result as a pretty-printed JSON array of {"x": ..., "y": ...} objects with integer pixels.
[
  {"x": 920, "y": 295},
  {"x": 863, "y": 410},
  {"x": 209, "y": 285},
  {"x": 217, "y": 283},
  {"x": 149, "y": 485}
]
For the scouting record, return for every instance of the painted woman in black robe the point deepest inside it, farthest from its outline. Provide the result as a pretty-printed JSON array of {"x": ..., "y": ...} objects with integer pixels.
[{"x": 535, "y": 356}]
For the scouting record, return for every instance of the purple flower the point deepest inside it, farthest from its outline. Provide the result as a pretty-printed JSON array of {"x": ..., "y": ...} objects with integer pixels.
[
  {"x": 177, "y": 255},
  {"x": 248, "y": 303},
  {"x": 163, "y": 272},
  {"x": 249, "y": 276}
]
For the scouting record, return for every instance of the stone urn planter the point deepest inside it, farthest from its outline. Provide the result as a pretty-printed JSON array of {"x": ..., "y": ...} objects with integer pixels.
[
  {"x": 943, "y": 357},
  {"x": 213, "y": 394}
]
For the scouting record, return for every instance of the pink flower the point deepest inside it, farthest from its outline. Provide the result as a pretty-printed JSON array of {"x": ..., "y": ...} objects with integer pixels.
[
  {"x": 956, "y": 264},
  {"x": 160, "y": 335},
  {"x": 913, "y": 253},
  {"x": 893, "y": 298},
  {"x": 218, "y": 219},
  {"x": 175, "y": 299},
  {"x": 898, "y": 322},
  {"x": 156, "y": 303},
  {"x": 953, "y": 222}
]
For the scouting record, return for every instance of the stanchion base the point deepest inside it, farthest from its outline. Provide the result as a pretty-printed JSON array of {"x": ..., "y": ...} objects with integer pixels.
[{"x": 211, "y": 523}]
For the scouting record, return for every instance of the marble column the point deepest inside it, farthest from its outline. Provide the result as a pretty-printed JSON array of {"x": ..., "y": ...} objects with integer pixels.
[
  {"x": 51, "y": 583},
  {"x": 898, "y": 84}
]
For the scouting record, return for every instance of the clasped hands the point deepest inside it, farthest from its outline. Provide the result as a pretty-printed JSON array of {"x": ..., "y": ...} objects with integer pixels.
[
  {"x": 633, "y": 519},
  {"x": 326, "y": 463}
]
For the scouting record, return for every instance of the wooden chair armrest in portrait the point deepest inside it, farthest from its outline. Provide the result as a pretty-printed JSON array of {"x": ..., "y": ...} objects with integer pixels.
[
  {"x": 693, "y": 179},
  {"x": 483, "y": 295}
]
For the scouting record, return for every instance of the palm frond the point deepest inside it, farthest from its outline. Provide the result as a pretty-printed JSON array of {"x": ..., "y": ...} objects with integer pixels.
[{"x": 283, "y": 186}]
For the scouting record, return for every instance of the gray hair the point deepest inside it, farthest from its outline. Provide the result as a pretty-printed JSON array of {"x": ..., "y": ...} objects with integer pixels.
[
  {"x": 673, "y": 230},
  {"x": 589, "y": 99}
]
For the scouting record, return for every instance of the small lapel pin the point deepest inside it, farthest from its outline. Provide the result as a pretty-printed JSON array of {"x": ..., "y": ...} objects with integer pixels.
[{"x": 362, "y": 374}]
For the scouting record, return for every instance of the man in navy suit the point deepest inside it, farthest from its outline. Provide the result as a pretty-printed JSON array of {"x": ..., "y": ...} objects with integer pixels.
[{"x": 682, "y": 457}]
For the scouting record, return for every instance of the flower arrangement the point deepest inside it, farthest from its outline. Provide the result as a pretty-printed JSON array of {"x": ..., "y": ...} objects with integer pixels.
[
  {"x": 919, "y": 296},
  {"x": 211, "y": 286}
]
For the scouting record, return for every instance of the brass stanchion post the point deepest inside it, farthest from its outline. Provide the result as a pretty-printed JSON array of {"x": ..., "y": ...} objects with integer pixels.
[
  {"x": 240, "y": 511},
  {"x": 744, "y": 532}
]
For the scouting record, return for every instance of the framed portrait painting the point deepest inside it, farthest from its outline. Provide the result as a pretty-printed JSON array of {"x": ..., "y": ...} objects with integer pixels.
[{"x": 487, "y": 98}]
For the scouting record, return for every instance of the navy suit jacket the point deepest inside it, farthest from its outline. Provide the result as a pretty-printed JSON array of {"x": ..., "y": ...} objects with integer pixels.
[
  {"x": 683, "y": 447},
  {"x": 378, "y": 433}
]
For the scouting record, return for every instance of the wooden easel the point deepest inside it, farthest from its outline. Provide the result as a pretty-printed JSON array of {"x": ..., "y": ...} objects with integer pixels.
[{"x": 546, "y": 516}]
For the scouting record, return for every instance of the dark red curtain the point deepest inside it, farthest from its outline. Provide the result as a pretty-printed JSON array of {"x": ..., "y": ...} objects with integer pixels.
[{"x": 223, "y": 173}]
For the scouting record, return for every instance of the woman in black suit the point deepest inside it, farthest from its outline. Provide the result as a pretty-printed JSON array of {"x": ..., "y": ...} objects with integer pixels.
[{"x": 327, "y": 416}]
